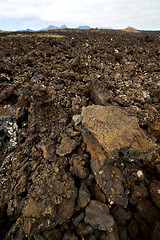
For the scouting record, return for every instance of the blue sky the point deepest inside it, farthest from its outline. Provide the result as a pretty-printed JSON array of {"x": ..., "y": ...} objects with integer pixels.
[{"x": 37, "y": 14}]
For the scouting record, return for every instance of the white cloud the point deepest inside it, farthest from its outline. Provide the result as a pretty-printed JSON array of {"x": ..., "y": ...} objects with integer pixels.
[{"x": 117, "y": 13}]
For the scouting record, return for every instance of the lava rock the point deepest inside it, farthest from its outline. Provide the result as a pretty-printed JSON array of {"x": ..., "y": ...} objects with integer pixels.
[
  {"x": 133, "y": 229},
  {"x": 148, "y": 212},
  {"x": 108, "y": 123},
  {"x": 98, "y": 216},
  {"x": 155, "y": 192},
  {"x": 50, "y": 200},
  {"x": 120, "y": 215},
  {"x": 83, "y": 197},
  {"x": 138, "y": 192},
  {"x": 67, "y": 146}
]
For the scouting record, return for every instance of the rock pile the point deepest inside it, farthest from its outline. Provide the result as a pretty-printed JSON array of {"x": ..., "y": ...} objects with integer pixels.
[{"x": 79, "y": 136}]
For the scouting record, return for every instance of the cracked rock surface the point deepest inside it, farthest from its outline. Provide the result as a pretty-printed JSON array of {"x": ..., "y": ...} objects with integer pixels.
[{"x": 79, "y": 135}]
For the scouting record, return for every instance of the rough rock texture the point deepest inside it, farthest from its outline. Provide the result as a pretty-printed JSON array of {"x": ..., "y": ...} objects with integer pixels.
[
  {"x": 98, "y": 216},
  {"x": 61, "y": 178},
  {"x": 109, "y": 132},
  {"x": 155, "y": 192},
  {"x": 115, "y": 130}
]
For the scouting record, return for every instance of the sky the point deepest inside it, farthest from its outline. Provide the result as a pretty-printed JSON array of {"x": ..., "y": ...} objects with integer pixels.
[{"x": 116, "y": 14}]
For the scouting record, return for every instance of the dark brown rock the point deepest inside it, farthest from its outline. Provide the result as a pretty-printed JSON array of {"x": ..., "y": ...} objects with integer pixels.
[
  {"x": 154, "y": 128},
  {"x": 133, "y": 229},
  {"x": 148, "y": 212},
  {"x": 83, "y": 197},
  {"x": 155, "y": 192},
  {"x": 98, "y": 216},
  {"x": 100, "y": 89},
  {"x": 50, "y": 200},
  {"x": 97, "y": 193},
  {"x": 102, "y": 169},
  {"x": 138, "y": 192},
  {"x": 120, "y": 215},
  {"x": 78, "y": 166},
  {"x": 6, "y": 90}
]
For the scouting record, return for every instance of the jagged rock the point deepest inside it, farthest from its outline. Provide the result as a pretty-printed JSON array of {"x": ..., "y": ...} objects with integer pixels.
[
  {"x": 78, "y": 219},
  {"x": 97, "y": 193},
  {"x": 138, "y": 192},
  {"x": 83, "y": 197},
  {"x": 78, "y": 166},
  {"x": 155, "y": 192},
  {"x": 100, "y": 89},
  {"x": 50, "y": 200},
  {"x": 111, "y": 129},
  {"x": 67, "y": 146},
  {"x": 120, "y": 215},
  {"x": 98, "y": 216},
  {"x": 110, "y": 123}
]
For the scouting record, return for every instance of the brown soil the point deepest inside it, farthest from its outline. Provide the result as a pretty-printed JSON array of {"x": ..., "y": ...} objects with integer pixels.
[{"x": 58, "y": 180}]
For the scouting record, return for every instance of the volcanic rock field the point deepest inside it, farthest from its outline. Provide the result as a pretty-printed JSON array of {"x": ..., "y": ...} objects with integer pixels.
[{"x": 80, "y": 135}]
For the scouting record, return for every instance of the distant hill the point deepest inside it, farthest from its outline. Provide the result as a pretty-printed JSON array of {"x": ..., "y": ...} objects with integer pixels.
[
  {"x": 104, "y": 28},
  {"x": 130, "y": 29},
  {"x": 1, "y": 31},
  {"x": 84, "y": 27},
  {"x": 52, "y": 27},
  {"x": 27, "y": 30}
]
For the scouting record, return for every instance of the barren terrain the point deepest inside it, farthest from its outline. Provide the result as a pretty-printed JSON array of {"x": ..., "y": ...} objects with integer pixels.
[{"x": 80, "y": 135}]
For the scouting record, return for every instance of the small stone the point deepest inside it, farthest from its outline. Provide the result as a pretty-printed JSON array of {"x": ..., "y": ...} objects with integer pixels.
[
  {"x": 98, "y": 216},
  {"x": 120, "y": 215},
  {"x": 155, "y": 192},
  {"x": 83, "y": 197},
  {"x": 67, "y": 146},
  {"x": 84, "y": 229},
  {"x": 77, "y": 119},
  {"x": 97, "y": 193},
  {"x": 78, "y": 219},
  {"x": 138, "y": 192},
  {"x": 148, "y": 212},
  {"x": 140, "y": 174}
]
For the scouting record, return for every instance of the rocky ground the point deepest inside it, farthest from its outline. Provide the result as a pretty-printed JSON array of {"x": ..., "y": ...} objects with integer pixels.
[{"x": 80, "y": 135}]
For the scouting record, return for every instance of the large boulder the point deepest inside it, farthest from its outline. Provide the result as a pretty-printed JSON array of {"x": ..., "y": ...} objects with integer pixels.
[{"x": 110, "y": 133}]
